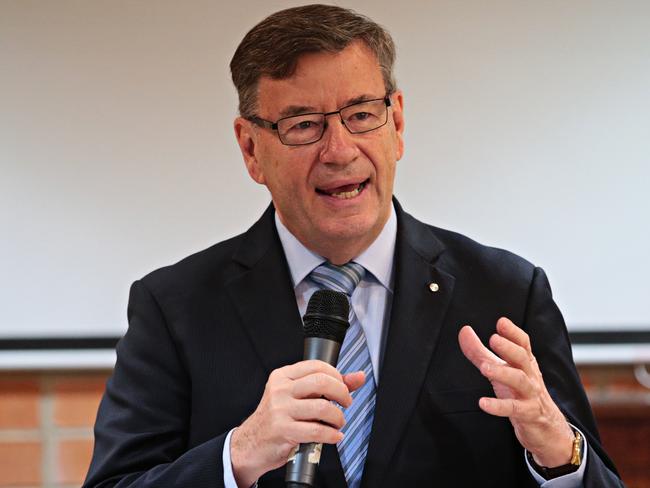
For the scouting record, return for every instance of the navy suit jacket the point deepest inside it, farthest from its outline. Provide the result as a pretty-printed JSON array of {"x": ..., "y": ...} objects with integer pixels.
[{"x": 205, "y": 333}]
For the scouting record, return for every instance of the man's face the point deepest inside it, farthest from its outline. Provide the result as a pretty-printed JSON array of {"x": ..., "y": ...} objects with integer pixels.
[{"x": 337, "y": 191}]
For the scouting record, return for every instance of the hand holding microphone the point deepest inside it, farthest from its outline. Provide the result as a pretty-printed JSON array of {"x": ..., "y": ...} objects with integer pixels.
[
  {"x": 296, "y": 408},
  {"x": 325, "y": 325}
]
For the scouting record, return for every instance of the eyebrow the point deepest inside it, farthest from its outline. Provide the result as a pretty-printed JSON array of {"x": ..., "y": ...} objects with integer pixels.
[
  {"x": 296, "y": 110},
  {"x": 292, "y": 110}
]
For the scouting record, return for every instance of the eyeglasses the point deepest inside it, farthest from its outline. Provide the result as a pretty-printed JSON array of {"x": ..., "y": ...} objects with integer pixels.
[{"x": 357, "y": 118}]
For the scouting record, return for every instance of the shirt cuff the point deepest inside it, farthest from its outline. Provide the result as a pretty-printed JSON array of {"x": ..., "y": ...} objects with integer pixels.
[
  {"x": 228, "y": 475},
  {"x": 571, "y": 480}
]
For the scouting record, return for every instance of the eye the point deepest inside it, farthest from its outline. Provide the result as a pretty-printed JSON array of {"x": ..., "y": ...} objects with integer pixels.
[
  {"x": 304, "y": 125},
  {"x": 361, "y": 116}
]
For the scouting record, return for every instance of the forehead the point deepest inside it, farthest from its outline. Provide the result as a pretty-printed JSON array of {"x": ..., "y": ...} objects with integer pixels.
[{"x": 324, "y": 81}]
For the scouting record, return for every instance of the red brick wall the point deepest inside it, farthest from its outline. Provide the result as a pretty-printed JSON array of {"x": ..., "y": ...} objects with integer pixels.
[
  {"x": 622, "y": 409},
  {"x": 46, "y": 424}
]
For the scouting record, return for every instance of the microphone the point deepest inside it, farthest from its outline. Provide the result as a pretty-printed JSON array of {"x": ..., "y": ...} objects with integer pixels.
[{"x": 325, "y": 325}]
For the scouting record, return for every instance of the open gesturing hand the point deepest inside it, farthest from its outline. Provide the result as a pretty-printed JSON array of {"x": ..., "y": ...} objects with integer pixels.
[{"x": 520, "y": 392}]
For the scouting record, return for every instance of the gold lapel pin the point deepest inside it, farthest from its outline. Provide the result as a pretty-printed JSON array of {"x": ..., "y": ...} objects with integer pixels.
[{"x": 433, "y": 287}]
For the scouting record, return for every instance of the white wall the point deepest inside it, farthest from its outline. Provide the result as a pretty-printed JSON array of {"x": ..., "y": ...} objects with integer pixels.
[{"x": 528, "y": 127}]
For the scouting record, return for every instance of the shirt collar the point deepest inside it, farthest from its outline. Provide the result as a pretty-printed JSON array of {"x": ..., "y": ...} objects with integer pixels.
[{"x": 377, "y": 259}]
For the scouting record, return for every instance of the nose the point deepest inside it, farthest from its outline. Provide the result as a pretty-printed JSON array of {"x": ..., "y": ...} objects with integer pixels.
[{"x": 338, "y": 145}]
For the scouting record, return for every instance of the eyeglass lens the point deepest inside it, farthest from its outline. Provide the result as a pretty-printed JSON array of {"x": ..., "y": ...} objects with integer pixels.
[{"x": 357, "y": 118}]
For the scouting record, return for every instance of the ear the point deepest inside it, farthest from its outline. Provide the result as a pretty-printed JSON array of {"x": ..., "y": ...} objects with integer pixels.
[
  {"x": 247, "y": 139},
  {"x": 397, "y": 105}
]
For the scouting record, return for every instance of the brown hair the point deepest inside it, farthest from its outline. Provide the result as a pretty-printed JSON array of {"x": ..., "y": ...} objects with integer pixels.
[{"x": 273, "y": 46}]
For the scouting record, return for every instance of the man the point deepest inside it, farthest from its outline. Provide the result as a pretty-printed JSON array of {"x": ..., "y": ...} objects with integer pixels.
[{"x": 209, "y": 388}]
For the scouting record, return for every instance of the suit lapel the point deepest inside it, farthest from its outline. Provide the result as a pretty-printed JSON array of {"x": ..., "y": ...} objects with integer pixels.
[
  {"x": 416, "y": 318},
  {"x": 264, "y": 298}
]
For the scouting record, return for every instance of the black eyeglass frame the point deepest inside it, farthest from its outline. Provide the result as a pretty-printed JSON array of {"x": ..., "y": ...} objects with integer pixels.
[{"x": 267, "y": 124}]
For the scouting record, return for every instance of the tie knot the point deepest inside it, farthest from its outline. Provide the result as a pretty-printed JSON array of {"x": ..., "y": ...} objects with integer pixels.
[{"x": 343, "y": 278}]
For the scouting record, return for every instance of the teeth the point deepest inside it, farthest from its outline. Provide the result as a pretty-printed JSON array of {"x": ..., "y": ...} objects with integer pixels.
[{"x": 344, "y": 195}]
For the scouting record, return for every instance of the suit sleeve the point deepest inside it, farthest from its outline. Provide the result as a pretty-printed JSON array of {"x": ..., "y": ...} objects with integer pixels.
[
  {"x": 551, "y": 347},
  {"x": 141, "y": 431}
]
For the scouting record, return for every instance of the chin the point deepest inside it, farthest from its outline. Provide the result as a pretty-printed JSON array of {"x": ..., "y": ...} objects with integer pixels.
[{"x": 346, "y": 229}]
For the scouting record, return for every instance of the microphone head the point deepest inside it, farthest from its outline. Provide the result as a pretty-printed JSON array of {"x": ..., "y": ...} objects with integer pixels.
[{"x": 327, "y": 315}]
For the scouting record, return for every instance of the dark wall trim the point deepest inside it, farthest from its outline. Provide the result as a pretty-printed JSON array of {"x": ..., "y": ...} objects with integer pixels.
[
  {"x": 610, "y": 337},
  {"x": 52, "y": 343}
]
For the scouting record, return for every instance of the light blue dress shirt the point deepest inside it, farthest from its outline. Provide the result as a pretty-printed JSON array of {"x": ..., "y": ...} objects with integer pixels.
[
  {"x": 371, "y": 301},
  {"x": 371, "y": 298}
]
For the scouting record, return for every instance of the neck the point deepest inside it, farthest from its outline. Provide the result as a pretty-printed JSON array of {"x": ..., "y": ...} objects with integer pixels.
[
  {"x": 343, "y": 254},
  {"x": 340, "y": 250}
]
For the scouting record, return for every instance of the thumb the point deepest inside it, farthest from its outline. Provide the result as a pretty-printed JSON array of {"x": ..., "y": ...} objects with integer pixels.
[{"x": 354, "y": 380}]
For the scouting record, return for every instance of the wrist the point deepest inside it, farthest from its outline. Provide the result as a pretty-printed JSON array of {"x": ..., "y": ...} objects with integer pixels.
[
  {"x": 556, "y": 453},
  {"x": 244, "y": 469},
  {"x": 574, "y": 463}
]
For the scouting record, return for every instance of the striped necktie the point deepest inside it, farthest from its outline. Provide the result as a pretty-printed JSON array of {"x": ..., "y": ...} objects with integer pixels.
[{"x": 354, "y": 356}]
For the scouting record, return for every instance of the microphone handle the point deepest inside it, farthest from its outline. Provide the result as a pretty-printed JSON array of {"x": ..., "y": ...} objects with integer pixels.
[
  {"x": 303, "y": 461},
  {"x": 324, "y": 349}
]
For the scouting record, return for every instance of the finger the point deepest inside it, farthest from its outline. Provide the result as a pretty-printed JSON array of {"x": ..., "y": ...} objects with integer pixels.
[
  {"x": 319, "y": 385},
  {"x": 309, "y": 366},
  {"x": 473, "y": 348},
  {"x": 507, "y": 329},
  {"x": 304, "y": 431},
  {"x": 318, "y": 410},
  {"x": 354, "y": 380},
  {"x": 506, "y": 407},
  {"x": 513, "y": 378},
  {"x": 512, "y": 353}
]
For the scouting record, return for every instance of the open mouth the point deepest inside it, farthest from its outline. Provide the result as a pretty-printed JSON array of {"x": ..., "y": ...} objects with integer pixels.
[{"x": 344, "y": 192}]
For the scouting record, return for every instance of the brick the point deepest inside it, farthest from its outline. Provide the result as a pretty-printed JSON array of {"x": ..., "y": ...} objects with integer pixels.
[
  {"x": 76, "y": 400},
  {"x": 19, "y": 402},
  {"x": 73, "y": 460},
  {"x": 20, "y": 463}
]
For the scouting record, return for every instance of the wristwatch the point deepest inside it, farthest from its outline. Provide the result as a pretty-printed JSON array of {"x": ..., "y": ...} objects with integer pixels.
[{"x": 571, "y": 467}]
